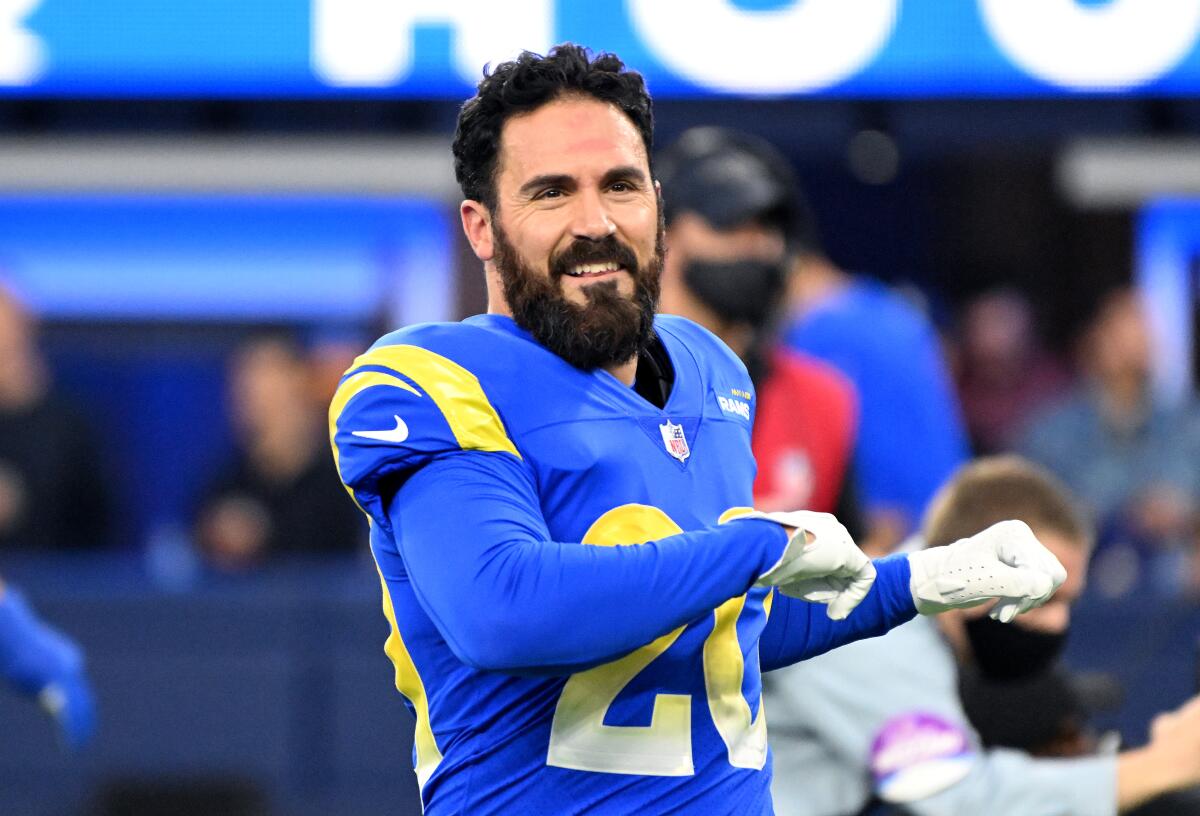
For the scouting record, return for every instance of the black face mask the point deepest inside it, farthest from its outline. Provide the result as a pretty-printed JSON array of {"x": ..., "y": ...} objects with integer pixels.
[
  {"x": 738, "y": 291},
  {"x": 1010, "y": 651}
]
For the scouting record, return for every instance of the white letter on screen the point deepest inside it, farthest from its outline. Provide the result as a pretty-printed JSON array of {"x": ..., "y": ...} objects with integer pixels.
[
  {"x": 1116, "y": 45},
  {"x": 805, "y": 46},
  {"x": 369, "y": 43},
  {"x": 22, "y": 55}
]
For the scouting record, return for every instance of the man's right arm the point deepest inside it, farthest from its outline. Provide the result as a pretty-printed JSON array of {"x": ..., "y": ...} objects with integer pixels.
[
  {"x": 1078, "y": 787},
  {"x": 506, "y": 597},
  {"x": 1170, "y": 762}
]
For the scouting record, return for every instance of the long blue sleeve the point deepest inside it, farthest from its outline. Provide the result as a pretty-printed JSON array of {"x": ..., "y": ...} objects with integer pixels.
[
  {"x": 798, "y": 630},
  {"x": 506, "y": 597}
]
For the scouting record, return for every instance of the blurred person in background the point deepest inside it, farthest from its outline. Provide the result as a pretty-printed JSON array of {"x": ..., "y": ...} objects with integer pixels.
[
  {"x": 40, "y": 662},
  {"x": 54, "y": 493},
  {"x": 1134, "y": 461},
  {"x": 869, "y": 730},
  {"x": 911, "y": 434},
  {"x": 281, "y": 493},
  {"x": 729, "y": 200},
  {"x": 1003, "y": 373}
]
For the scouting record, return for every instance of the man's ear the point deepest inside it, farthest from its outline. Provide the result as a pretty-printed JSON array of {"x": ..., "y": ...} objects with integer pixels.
[{"x": 477, "y": 226}]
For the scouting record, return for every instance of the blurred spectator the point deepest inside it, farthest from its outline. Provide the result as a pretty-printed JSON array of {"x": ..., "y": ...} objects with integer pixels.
[
  {"x": 866, "y": 729},
  {"x": 911, "y": 435},
  {"x": 1003, "y": 373},
  {"x": 53, "y": 491},
  {"x": 729, "y": 209},
  {"x": 281, "y": 493},
  {"x": 1133, "y": 461}
]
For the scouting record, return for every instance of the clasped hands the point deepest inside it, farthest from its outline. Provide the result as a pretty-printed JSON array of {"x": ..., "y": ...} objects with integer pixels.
[{"x": 1005, "y": 563}]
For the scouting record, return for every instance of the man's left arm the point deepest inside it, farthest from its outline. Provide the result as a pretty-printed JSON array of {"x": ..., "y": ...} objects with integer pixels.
[
  {"x": 1004, "y": 563},
  {"x": 798, "y": 629}
]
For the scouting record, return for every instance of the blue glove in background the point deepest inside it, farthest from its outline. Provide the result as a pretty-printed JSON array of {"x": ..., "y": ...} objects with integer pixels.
[{"x": 41, "y": 662}]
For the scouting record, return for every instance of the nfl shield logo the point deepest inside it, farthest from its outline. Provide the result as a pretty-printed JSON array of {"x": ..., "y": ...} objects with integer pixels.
[{"x": 675, "y": 441}]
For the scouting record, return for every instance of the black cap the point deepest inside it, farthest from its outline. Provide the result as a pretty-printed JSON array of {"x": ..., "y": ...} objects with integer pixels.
[{"x": 730, "y": 178}]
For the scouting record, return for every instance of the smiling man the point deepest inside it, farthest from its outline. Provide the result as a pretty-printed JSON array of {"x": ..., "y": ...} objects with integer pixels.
[
  {"x": 576, "y": 191},
  {"x": 579, "y": 596}
]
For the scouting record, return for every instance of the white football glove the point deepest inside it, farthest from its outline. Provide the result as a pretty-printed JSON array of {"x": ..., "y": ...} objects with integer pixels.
[
  {"x": 1005, "y": 561},
  {"x": 830, "y": 569}
]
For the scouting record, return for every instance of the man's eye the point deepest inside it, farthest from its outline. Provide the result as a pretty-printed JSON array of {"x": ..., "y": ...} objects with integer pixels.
[
  {"x": 552, "y": 192},
  {"x": 621, "y": 187}
]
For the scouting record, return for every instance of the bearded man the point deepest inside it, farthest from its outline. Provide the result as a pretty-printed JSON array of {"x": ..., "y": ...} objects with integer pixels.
[{"x": 576, "y": 584}]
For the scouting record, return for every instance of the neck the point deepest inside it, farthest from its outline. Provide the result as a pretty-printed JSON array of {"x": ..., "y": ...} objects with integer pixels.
[
  {"x": 626, "y": 372},
  {"x": 497, "y": 304}
]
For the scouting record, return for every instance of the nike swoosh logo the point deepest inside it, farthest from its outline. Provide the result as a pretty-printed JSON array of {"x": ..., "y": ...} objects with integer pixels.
[{"x": 398, "y": 434}]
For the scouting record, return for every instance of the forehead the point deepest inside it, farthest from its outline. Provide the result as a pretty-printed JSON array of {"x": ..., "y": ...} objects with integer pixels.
[
  {"x": 1074, "y": 557},
  {"x": 693, "y": 236},
  {"x": 571, "y": 136}
]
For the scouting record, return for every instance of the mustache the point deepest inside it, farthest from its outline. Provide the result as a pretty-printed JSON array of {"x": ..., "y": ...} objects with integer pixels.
[{"x": 584, "y": 251}]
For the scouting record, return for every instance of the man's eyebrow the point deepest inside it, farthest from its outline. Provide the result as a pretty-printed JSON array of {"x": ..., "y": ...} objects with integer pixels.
[
  {"x": 547, "y": 180},
  {"x": 627, "y": 172}
]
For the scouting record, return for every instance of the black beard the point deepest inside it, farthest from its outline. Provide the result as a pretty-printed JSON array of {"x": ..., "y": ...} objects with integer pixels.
[{"x": 610, "y": 328}]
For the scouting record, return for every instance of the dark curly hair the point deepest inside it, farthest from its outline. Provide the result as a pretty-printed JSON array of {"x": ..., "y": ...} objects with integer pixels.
[{"x": 527, "y": 83}]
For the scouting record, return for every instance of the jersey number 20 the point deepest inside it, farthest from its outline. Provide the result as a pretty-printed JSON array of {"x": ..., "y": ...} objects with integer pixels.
[{"x": 579, "y": 739}]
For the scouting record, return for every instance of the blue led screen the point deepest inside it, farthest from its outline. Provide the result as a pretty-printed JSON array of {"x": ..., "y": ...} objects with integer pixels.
[
  {"x": 228, "y": 258},
  {"x": 690, "y": 48}
]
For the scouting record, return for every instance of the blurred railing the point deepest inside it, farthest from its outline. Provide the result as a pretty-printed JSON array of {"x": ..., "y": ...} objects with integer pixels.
[{"x": 271, "y": 688}]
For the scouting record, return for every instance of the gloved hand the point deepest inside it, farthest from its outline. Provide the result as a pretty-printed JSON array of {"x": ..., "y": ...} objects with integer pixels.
[
  {"x": 43, "y": 663},
  {"x": 821, "y": 563},
  {"x": 1005, "y": 561}
]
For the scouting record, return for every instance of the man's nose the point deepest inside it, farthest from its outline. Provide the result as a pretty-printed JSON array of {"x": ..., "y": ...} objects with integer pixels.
[{"x": 592, "y": 218}]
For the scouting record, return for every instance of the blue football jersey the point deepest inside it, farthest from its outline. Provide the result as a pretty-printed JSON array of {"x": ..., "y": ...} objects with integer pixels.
[{"x": 546, "y": 694}]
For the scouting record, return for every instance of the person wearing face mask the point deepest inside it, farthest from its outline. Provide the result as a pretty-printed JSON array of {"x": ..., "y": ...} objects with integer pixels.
[
  {"x": 870, "y": 730},
  {"x": 732, "y": 217}
]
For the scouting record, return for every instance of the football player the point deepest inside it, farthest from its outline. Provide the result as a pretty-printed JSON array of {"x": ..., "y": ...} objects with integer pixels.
[{"x": 580, "y": 597}]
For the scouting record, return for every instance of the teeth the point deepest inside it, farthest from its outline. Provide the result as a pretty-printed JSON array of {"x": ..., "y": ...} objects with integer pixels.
[{"x": 594, "y": 268}]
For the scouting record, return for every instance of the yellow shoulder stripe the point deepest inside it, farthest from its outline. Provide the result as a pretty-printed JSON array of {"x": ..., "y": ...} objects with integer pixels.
[
  {"x": 348, "y": 390},
  {"x": 734, "y": 512},
  {"x": 730, "y": 515},
  {"x": 457, "y": 393}
]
